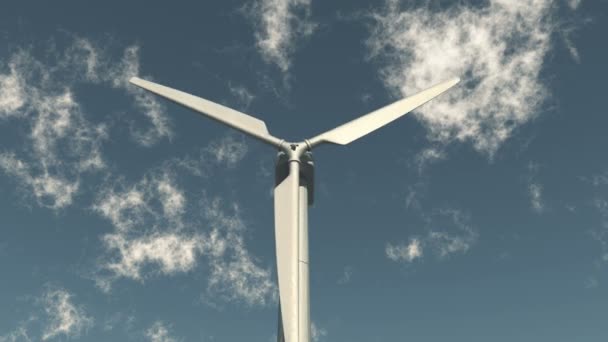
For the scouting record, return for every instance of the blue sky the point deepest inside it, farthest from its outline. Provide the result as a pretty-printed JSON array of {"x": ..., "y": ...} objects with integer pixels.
[{"x": 481, "y": 216}]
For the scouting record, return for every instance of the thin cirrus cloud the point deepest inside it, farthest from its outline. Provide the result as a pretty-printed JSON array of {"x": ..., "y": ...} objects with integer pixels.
[
  {"x": 317, "y": 333},
  {"x": 153, "y": 236},
  {"x": 408, "y": 252},
  {"x": 100, "y": 69},
  {"x": 57, "y": 316},
  {"x": 497, "y": 49},
  {"x": 535, "y": 189},
  {"x": 19, "y": 334},
  {"x": 65, "y": 317},
  {"x": 228, "y": 151},
  {"x": 159, "y": 332},
  {"x": 279, "y": 25},
  {"x": 600, "y": 233},
  {"x": 455, "y": 236},
  {"x": 62, "y": 144}
]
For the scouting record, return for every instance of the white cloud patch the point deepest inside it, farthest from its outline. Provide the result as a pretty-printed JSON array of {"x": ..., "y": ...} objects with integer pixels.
[
  {"x": 12, "y": 93},
  {"x": 347, "y": 275},
  {"x": 61, "y": 143},
  {"x": 100, "y": 69},
  {"x": 228, "y": 151},
  {"x": 317, "y": 333},
  {"x": 20, "y": 334},
  {"x": 428, "y": 156},
  {"x": 137, "y": 212},
  {"x": 152, "y": 237},
  {"x": 172, "y": 199},
  {"x": 535, "y": 189},
  {"x": 64, "y": 317},
  {"x": 279, "y": 25},
  {"x": 498, "y": 49},
  {"x": 159, "y": 332},
  {"x": 235, "y": 274},
  {"x": 52, "y": 191},
  {"x": 535, "y": 192},
  {"x": 450, "y": 233},
  {"x": 600, "y": 233},
  {"x": 446, "y": 242},
  {"x": 574, "y": 3},
  {"x": 591, "y": 283},
  {"x": 407, "y": 253},
  {"x": 242, "y": 94},
  {"x": 172, "y": 253}
]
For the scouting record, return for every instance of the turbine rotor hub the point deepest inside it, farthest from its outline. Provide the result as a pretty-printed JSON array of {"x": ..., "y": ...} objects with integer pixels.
[{"x": 295, "y": 150}]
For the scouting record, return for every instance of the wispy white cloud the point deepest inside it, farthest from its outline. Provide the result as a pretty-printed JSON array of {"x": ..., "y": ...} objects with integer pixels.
[
  {"x": 20, "y": 334},
  {"x": 235, "y": 274},
  {"x": 51, "y": 191},
  {"x": 497, "y": 48},
  {"x": 428, "y": 156},
  {"x": 12, "y": 93},
  {"x": 408, "y": 253},
  {"x": 447, "y": 242},
  {"x": 279, "y": 25},
  {"x": 535, "y": 189},
  {"x": 124, "y": 209},
  {"x": 600, "y": 233},
  {"x": 591, "y": 283},
  {"x": 55, "y": 316},
  {"x": 117, "y": 320},
  {"x": 535, "y": 192},
  {"x": 153, "y": 236},
  {"x": 159, "y": 332},
  {"x": 347, "y": 274},
  {"x": 449, "y": 232},
  {"x": 64, "y": 317},
  {"x": 228, "y": 151},
  {"x": 62, "y": 143},
  {"x": 136, "y": 212},
  {"x": 171, "y": 252},
  {"x": 100, "y": 69},
  {"x": 242, "y": 94},
  {"x": 317, "y": 333},
  {"x": 574, "y": 3},
  {"x": 597, "y": 180}
]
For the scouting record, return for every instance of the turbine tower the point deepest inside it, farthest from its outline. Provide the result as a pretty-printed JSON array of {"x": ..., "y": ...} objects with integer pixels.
[{"x": 293, "y": 191}]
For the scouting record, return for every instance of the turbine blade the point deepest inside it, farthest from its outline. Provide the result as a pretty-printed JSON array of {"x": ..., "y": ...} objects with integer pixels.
[
  {"x": 233, "y": 118},
  {"x": 368, "y": 123},
  {"x": 286, "y": 202}
]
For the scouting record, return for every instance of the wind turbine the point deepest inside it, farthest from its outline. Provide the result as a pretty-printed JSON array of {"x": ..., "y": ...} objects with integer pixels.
[{"x": 293, "y": 190}]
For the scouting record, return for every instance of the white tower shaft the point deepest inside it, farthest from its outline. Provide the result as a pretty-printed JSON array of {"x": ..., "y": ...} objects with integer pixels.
[
  {"x": 291, "y": 233},
  {"x": 303, "y": 267}
]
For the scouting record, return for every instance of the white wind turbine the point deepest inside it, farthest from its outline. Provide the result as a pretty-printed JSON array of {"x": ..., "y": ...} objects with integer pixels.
[{"x": 293, "y": 189}]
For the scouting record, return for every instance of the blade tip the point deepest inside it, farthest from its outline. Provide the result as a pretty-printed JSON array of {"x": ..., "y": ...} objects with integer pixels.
[{"x": 135, "y": 80}]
